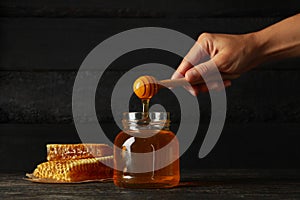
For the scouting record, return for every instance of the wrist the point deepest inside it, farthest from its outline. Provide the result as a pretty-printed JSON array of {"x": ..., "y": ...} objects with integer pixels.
[
  {"x": 256, "y": 47},
  {"x": 278, "y": 41},
  {"x": 263, "y": 44}
]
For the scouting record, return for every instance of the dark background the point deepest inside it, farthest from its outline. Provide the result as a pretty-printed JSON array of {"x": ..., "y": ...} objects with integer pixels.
[{"x": 43, "y": 43}]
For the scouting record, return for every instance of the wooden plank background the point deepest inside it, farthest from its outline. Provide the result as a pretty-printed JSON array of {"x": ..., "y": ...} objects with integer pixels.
[
  {"x": 140, "y": 9},
  {"x": 43, "y": 43}
]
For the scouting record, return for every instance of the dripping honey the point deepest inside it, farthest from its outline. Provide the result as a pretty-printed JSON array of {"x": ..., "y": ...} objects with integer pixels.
[{"x": 145, "y": 103}]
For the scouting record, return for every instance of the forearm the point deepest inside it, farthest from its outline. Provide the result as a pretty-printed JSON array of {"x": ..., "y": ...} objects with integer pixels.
[{"x": 279, "y": 41}]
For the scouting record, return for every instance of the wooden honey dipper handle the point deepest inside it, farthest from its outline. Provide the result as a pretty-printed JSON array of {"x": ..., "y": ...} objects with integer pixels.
[
  {"x": 145, "y": 87},
  {"x": 183, "y": 82}
]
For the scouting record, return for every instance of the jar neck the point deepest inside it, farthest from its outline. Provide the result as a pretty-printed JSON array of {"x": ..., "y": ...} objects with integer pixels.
[
  {"x": 150, "y": 121},
  {"x": 129, "y": 126}
]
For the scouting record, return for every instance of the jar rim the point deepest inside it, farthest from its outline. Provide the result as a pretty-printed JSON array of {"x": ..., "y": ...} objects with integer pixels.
[
  {"x": 154, "y": 116},
  {"x": 148, "y": 112}
]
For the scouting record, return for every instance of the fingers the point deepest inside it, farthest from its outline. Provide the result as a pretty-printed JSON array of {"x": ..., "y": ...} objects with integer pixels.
[
  {"x": 201, "y": 72},
  {"x": 202, "y": 76},
  {"x": 218, "y": 86},
  {"x": 194, "y": 56},
  {"x": 205, "y": 73},
  {"x": 196, "y": 89},
  {"x": 177, "y": 75},
  {"x": 211, "y": 86}
]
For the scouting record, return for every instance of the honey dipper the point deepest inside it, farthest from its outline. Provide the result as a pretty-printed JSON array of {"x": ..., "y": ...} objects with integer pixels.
[{"x": 145, "y": 87}]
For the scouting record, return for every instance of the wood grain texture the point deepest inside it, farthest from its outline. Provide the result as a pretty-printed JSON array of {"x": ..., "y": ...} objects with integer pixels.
[
  {"x": 153, "y": 9},
  {"x": 62, "y": 44},
  {"x": 203, "y": 184},
  {"x": 46, "y": 98}
]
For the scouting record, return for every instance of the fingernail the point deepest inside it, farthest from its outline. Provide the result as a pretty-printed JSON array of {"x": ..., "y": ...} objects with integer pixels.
[
  {"x": 176, "y": 75},
  {"x": 192, "y": 92},
  {"x": 173, "y": 76}
]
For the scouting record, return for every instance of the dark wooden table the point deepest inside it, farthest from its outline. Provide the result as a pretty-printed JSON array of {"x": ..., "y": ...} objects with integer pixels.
[{"x": 195, "y": 184}]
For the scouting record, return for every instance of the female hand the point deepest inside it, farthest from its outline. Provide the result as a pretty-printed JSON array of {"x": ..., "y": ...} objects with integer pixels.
[
  {"x": 232, "y": 54},
  {"x": 235, "y": 54}
]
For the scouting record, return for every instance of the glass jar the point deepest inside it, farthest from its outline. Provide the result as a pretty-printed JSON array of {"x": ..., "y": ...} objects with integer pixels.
[{"x": 146, "y": 152}]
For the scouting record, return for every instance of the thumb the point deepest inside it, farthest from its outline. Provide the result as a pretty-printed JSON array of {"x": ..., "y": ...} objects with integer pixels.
[{"x": 201, "y": 71}]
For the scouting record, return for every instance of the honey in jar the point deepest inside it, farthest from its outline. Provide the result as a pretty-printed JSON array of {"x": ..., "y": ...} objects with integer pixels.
[{"x": 146, "y": 152}]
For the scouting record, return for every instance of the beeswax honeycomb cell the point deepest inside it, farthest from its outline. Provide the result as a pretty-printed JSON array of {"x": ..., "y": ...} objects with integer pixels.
[
  {"x": 75, "y": 170},
  {"x": 77, "y": 151}
]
